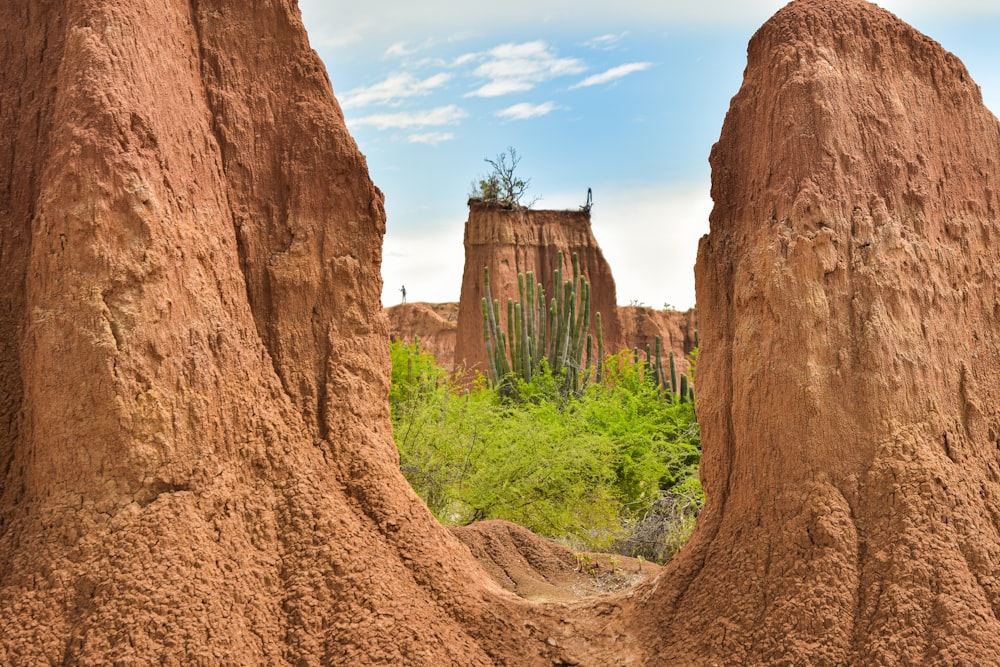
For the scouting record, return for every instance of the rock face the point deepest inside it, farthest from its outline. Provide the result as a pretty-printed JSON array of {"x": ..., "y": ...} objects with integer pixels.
[
  {"x": 434, "y": 325},
  {"x": 849, "y": 376},
  {"x": 195, "y": 451},
  {"x": 512, "y": 241},
  {"x": 641, "y": 325}
]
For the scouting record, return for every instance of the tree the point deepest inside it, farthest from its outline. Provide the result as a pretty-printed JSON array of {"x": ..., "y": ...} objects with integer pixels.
[{"x": 502, "y": 186}]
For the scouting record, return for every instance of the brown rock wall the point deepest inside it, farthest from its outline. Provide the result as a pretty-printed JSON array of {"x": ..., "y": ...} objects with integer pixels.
[
  {"x": 848, "y": 376},
  {"x": 641, "y": 326},
  {"x": 512, "y": 241},
  {"x": 195, "y": 450},
  {"x": 435, "y": 325}
]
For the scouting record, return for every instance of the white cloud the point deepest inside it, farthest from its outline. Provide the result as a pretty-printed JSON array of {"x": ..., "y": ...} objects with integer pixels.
[
  {"x": 430, "y": 138},
  {"x": 404, "y": 48},
  {"x": 428, "y": 261},
  {"x": 465, "y": 59},
  {"x": 394, "y": 87},
  {"x": 399, "y": 50},
  {"x": 515, "y": 68},
  {"x": 447, "y": 115},
  {"x": 612, "y": 74},
  {"x": 385, "y": 21},
  {"x": 605, "y": 42},
  {"x": 331, "y": 40},
  {"x": 649, "y": 236},
  {"x": 526, "y": 110}
]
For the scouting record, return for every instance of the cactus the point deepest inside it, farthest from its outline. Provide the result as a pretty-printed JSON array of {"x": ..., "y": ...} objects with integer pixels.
[
  {"x": 683, "y": 390},
  {"x": 673, "y": 374},
  {"x": 600, "y": 351},
  {"x": 533, "y": 332}
]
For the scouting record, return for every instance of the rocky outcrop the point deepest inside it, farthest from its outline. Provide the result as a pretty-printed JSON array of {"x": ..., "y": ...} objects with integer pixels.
[
  {"x": 519, "y": 240},
  {"x": 641, "y": 326},
  {"x": 432, "y": 325},
  {"x": 195, "y": 450},
  {"x": 195, "y": 453},
  {"x": 849, "y": 374}
]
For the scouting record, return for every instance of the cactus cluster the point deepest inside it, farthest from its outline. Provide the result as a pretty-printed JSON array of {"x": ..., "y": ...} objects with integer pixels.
[
  {"x": 666, "y": 377},
  {"x": 536, "y": 334}
]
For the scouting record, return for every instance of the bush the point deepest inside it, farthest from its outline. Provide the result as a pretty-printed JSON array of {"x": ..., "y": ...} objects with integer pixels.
[
  {"x": 502, "y": 187},
  {"x": 583, "y": 469}
]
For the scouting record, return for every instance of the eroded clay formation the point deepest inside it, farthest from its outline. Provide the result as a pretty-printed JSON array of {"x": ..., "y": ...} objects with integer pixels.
[
  {"x": 195, "y": 454},
  {"x": 513, "y": 241}
]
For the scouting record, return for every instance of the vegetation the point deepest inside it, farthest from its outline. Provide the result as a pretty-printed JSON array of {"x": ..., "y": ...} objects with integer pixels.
[
  {"x": 606, "y": 468},
  {"x": 502, "y": 186},
  {"x": 537, "y": 337},
  {"x": 682, "y": 390}
]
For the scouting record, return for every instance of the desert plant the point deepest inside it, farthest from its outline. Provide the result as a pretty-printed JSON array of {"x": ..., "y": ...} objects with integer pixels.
[
  {"x": 666, "y": 377},
  {"x": 665, "y": 526},
  {"x": 502, "y": 186},
  {"x": 556, "y": 337},
  {"x": 582, "y": 470}
]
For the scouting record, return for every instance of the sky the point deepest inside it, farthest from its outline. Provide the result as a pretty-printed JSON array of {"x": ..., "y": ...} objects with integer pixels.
[{"x": 624, "y": 97}]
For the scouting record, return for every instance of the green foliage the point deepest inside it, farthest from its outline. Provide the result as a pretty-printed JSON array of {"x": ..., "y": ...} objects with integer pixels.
[
  {"x": 583, "y": 468},
  {"x": 502, "y": 186},
  {"x": 658, "y": 374},
  {"x": 534, "y": 334}
]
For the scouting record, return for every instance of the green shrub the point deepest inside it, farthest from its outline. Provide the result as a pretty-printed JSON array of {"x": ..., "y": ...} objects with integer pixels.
[{"x": 583, "y": 469}]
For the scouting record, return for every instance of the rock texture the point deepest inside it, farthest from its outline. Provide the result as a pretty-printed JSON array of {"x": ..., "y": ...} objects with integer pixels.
[
  {"x": 676, "y": 329},
  {"x": 850, "y": 360},
  {"x": 537, "y": 569},
  {"x": 195, "y": 454},
  {"x": 434, "y": 325},
  {"x": 512, "y": 241},
  {"x": 195, "y": 450}
]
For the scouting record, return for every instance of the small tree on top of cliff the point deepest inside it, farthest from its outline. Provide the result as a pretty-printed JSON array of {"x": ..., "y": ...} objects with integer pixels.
[{"x": 502, "y": 186}]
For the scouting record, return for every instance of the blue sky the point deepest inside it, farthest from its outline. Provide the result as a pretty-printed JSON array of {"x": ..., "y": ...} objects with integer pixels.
[{"x": 623, "y": 97}]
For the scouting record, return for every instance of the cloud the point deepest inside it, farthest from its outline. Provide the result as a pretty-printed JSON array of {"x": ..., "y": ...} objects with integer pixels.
[
  {"x": 430, "y": 138},
  {"x": 605, "y": 42},
  {"x": 649, "y": 235},
  {"x": 465, "y": 59},
  {"x": 447, "y": 115},
  {"x": 399, "y": 50},
  {"x": 526, "y": 110},
  {"x": 403, "y": 48},
  {"x": 516, "y": 68},
  {"x": 394, "y": 87},
  {"x": 612, "y": 74},
  {"x": 429, "y": 261},
  {"x": 385, "y": 21},
  {"x": 330, "y": 40}
]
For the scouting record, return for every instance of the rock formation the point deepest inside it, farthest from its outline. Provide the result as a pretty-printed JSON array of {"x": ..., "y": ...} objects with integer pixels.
[
  {"x": 434, "y": 325},
  {"x": 195, "y": 454},
  {"x": 512, "y": 241},
  {"x": 849, "y": 377},
  {"x": 676, "y": 330},
  {"x": 195, "y": 451}
]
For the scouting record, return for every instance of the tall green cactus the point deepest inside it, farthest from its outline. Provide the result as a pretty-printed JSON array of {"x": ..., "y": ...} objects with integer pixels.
[
  {"x": 557, "y": 334},
  {"x": 683, "y": 390}
]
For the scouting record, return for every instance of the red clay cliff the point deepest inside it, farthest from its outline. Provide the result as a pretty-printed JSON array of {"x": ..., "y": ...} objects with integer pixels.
[
  {"x": 195, "y": 452},
  {"x": 517, "y": 240},
  {"x": 848, "y": 377},
  {"x": 196, "y": 460}
]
